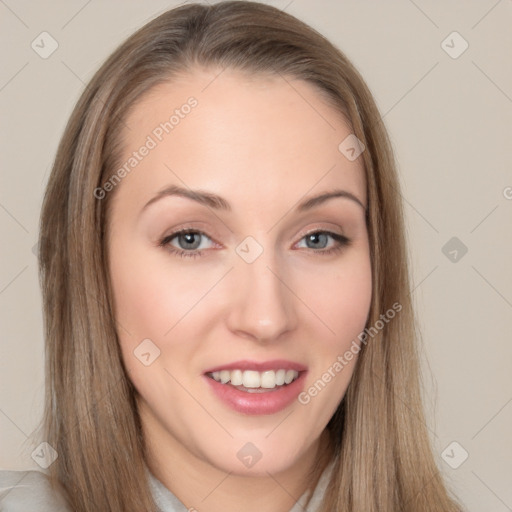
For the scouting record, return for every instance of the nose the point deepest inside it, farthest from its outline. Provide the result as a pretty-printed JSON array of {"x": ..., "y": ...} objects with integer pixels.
[{"x": 263, "y": 303}]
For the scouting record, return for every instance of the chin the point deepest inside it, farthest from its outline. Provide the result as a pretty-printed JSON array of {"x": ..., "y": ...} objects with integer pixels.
[{"x": 259, "y": 457}]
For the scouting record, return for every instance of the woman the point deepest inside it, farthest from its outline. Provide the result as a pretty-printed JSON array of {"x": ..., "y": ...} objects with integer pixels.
[{"x": 226, "y": 295}]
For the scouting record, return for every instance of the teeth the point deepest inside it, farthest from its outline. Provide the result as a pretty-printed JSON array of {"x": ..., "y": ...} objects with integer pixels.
[
  {"x": 268, "y": 379},
  {"x": 236, "y": 377},
  {"x": 253, "y": 379},
  {"x": 280, "y": 377},
  {"x": 290, "y": 375}
]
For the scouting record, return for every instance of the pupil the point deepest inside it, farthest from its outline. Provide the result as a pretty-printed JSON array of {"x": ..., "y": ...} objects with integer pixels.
[
  {"x": 315, "y": 237},
  {"x": 189, "y": 239}
]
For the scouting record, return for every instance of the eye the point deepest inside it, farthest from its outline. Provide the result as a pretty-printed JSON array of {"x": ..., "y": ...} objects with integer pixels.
[
  {"x": 320, "y": 239},
  {"x": 189, "y": 243}
]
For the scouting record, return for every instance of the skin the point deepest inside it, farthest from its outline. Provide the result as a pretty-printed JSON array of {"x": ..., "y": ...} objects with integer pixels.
[{"x": 264, "y": 144}]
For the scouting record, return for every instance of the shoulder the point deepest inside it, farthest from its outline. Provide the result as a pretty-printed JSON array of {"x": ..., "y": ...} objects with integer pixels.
[{"x": 28, "y": 491}]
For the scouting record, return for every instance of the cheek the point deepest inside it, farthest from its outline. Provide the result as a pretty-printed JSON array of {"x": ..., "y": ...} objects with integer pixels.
[
  {"x": 152, "y": 299},
  {"x": 153, "y": 296},
  {"x": 150, "y": 294},
  {"x": 341, "y": 298}
]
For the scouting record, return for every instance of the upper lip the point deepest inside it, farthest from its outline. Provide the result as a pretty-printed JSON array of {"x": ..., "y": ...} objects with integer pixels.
[{"x": 259, "y": 366}]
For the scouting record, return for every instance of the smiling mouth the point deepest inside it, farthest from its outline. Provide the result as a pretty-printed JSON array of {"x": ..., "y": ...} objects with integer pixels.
[{"x": 252, "y": 381}]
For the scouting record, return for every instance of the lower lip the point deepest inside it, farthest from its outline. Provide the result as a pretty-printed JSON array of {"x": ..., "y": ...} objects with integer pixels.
[{"x": 268, "y": 402}]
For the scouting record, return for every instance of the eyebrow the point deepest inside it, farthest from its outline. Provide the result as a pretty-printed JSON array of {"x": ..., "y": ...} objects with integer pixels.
[{"x": 219, "y": 203}]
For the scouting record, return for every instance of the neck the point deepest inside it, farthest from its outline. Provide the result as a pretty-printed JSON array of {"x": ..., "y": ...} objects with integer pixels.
[{"x": 203, "y": 487}]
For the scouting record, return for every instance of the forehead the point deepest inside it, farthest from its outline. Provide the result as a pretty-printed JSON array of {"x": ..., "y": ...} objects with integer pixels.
[{"x": 265, "y": 134}]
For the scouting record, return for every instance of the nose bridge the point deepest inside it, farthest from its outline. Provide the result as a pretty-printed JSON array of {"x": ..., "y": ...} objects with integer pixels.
[{"x": 262, "y": 305}]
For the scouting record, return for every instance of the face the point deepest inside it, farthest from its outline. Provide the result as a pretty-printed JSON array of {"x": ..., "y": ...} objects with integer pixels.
[{"x": 235, "y": 292}]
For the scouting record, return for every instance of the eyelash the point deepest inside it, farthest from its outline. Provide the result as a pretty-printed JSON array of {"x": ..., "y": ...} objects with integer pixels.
[{"x": 341, "y": 242}]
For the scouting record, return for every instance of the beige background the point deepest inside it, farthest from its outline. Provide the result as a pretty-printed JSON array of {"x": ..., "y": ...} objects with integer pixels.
[{"x": 450, "y": 121}]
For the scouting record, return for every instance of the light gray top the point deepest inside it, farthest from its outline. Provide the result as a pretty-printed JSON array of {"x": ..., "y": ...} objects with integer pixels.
[{"x": 29, "y": 491}]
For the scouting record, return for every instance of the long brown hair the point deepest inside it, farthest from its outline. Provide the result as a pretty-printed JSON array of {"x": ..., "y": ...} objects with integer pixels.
[{"x": 380, "y": 446}]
